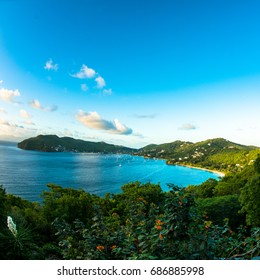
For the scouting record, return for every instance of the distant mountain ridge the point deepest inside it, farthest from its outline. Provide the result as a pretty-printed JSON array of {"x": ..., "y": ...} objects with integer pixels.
[
  {"x": 53, "y": 143},
  {"x": 218, "y": 153}
]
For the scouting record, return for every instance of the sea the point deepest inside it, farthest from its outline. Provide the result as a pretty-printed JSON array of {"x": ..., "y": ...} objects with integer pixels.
[{"x": 26, "y": 173}]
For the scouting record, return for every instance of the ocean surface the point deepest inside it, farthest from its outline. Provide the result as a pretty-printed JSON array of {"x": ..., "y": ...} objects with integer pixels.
[{"x": 26, "y": 173}]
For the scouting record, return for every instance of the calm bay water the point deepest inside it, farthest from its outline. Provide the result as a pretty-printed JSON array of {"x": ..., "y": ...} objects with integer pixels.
[{"x": 26, "y": 173}]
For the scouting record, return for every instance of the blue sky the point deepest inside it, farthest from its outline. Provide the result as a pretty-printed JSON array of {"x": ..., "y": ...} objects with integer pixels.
[{"x": 130, "y": 72}]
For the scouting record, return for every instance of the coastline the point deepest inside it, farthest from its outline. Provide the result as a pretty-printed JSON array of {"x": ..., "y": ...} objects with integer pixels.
[{"x": 220, "y": 174}]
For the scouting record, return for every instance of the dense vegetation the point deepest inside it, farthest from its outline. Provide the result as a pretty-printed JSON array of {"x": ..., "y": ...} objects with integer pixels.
[
  {"x": 53, "y": 143},
  {"x": 218, "y": 154},
  {"x": 216, "y": 220}
]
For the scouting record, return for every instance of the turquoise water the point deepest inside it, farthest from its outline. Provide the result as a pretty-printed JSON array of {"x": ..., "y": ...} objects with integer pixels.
[{"x": 26, "y": 173}]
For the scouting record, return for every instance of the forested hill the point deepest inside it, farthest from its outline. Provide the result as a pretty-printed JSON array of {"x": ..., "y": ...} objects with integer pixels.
[
  {"x": 53, "y": 143},
  {"x": 218, "y": 153}
]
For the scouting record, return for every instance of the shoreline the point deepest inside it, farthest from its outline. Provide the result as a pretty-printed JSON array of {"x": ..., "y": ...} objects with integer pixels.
[{"x": 220, "y": 174}]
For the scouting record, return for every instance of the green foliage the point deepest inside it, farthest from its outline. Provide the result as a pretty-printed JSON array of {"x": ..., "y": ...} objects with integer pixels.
[
  {"x": 230, "y": 184},
  {"x": 215, "y": 154},
  {"x": 250, "y": 200},
  {"x": 2, "y": 204},
  {"x": 68, "y": 204},
  {"x": 204, "y": 190},
  {"x": 239, "y": 244},
  {"x": 146, "y": 232},
  {"x": 219, "y": 209},
  {"x": 257, "y": 164},
  {"x": 171, "y": 228},
  {"x": 250, "y": 196}
]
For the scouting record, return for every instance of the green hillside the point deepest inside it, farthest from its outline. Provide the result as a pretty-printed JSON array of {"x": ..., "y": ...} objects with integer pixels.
[
  {"x": 219, "y": 154},
  {"x": 53, "y": 143}
]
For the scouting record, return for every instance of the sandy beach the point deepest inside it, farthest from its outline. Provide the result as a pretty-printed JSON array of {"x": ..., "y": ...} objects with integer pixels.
[{"x": 220, "y": 174}]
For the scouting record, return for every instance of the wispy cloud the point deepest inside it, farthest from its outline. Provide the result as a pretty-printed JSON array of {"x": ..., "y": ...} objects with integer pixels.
[
  {"x": 100, "y": 82},
  {"x": 84, "y": 87},
  {"x": 37, "y": 105},
  {"x": 9, "y": 95},
  {"x": 139, "y": 135},
  {"x": 1, "y": 81},
  {"x": 13, "y": 131},
  {"x": 2, "y": 110},
  {"x": 53, "y": 108},
  {"x": 187, "y": 126},
  {"x": 107, "y": 91},
  {"x": 24, "y": 114},
  {"x": 85, "y": 73},
  {"x": 93, "y": 120},
  {"x": 7, "y": 123},
  {"x": 50, "y": 65},
  {"x": 149, "y": 116},
  {"x": 4, "y": 122}
]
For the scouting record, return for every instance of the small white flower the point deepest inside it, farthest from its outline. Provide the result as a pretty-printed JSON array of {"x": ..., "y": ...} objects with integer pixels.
[{"x": 12, "y": 226}]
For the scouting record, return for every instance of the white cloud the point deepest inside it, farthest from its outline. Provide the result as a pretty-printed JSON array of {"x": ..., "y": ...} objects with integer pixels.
[
  {"x": 8, "y": 95},
  {"x": 187, "y": 126},
  {"x": 89, "y": 73},
  {"x": 37, "y": 105},
  {"x": 24, "y": 114},
  {"x": 2, "y": 110},
  {"x": 29, "y": 122},
  {"x": 1, "y": 81},
  {"x": 93, "y": 120},
  {"x": 84, "y": 87},
  {"x": 85, "y": 73},
  {"x": 49, "y": 65},
  {"x": 4, "y": 122},
  {"x": 100, "y": 82},
  {"x": 107, "y": 91}
]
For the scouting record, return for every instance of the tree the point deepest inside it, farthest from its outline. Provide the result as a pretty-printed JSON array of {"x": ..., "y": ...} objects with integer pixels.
[
  {"x": 68, "y": 204},
  {"x": 206, "y": 189},
  {"x": 2, "y": 203},
  {"x": 250, "y": 201},
  {"x": 257, "y": 164},
  {"x": 220, "y": 208},
  {"x": 250, "y": 196}
]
